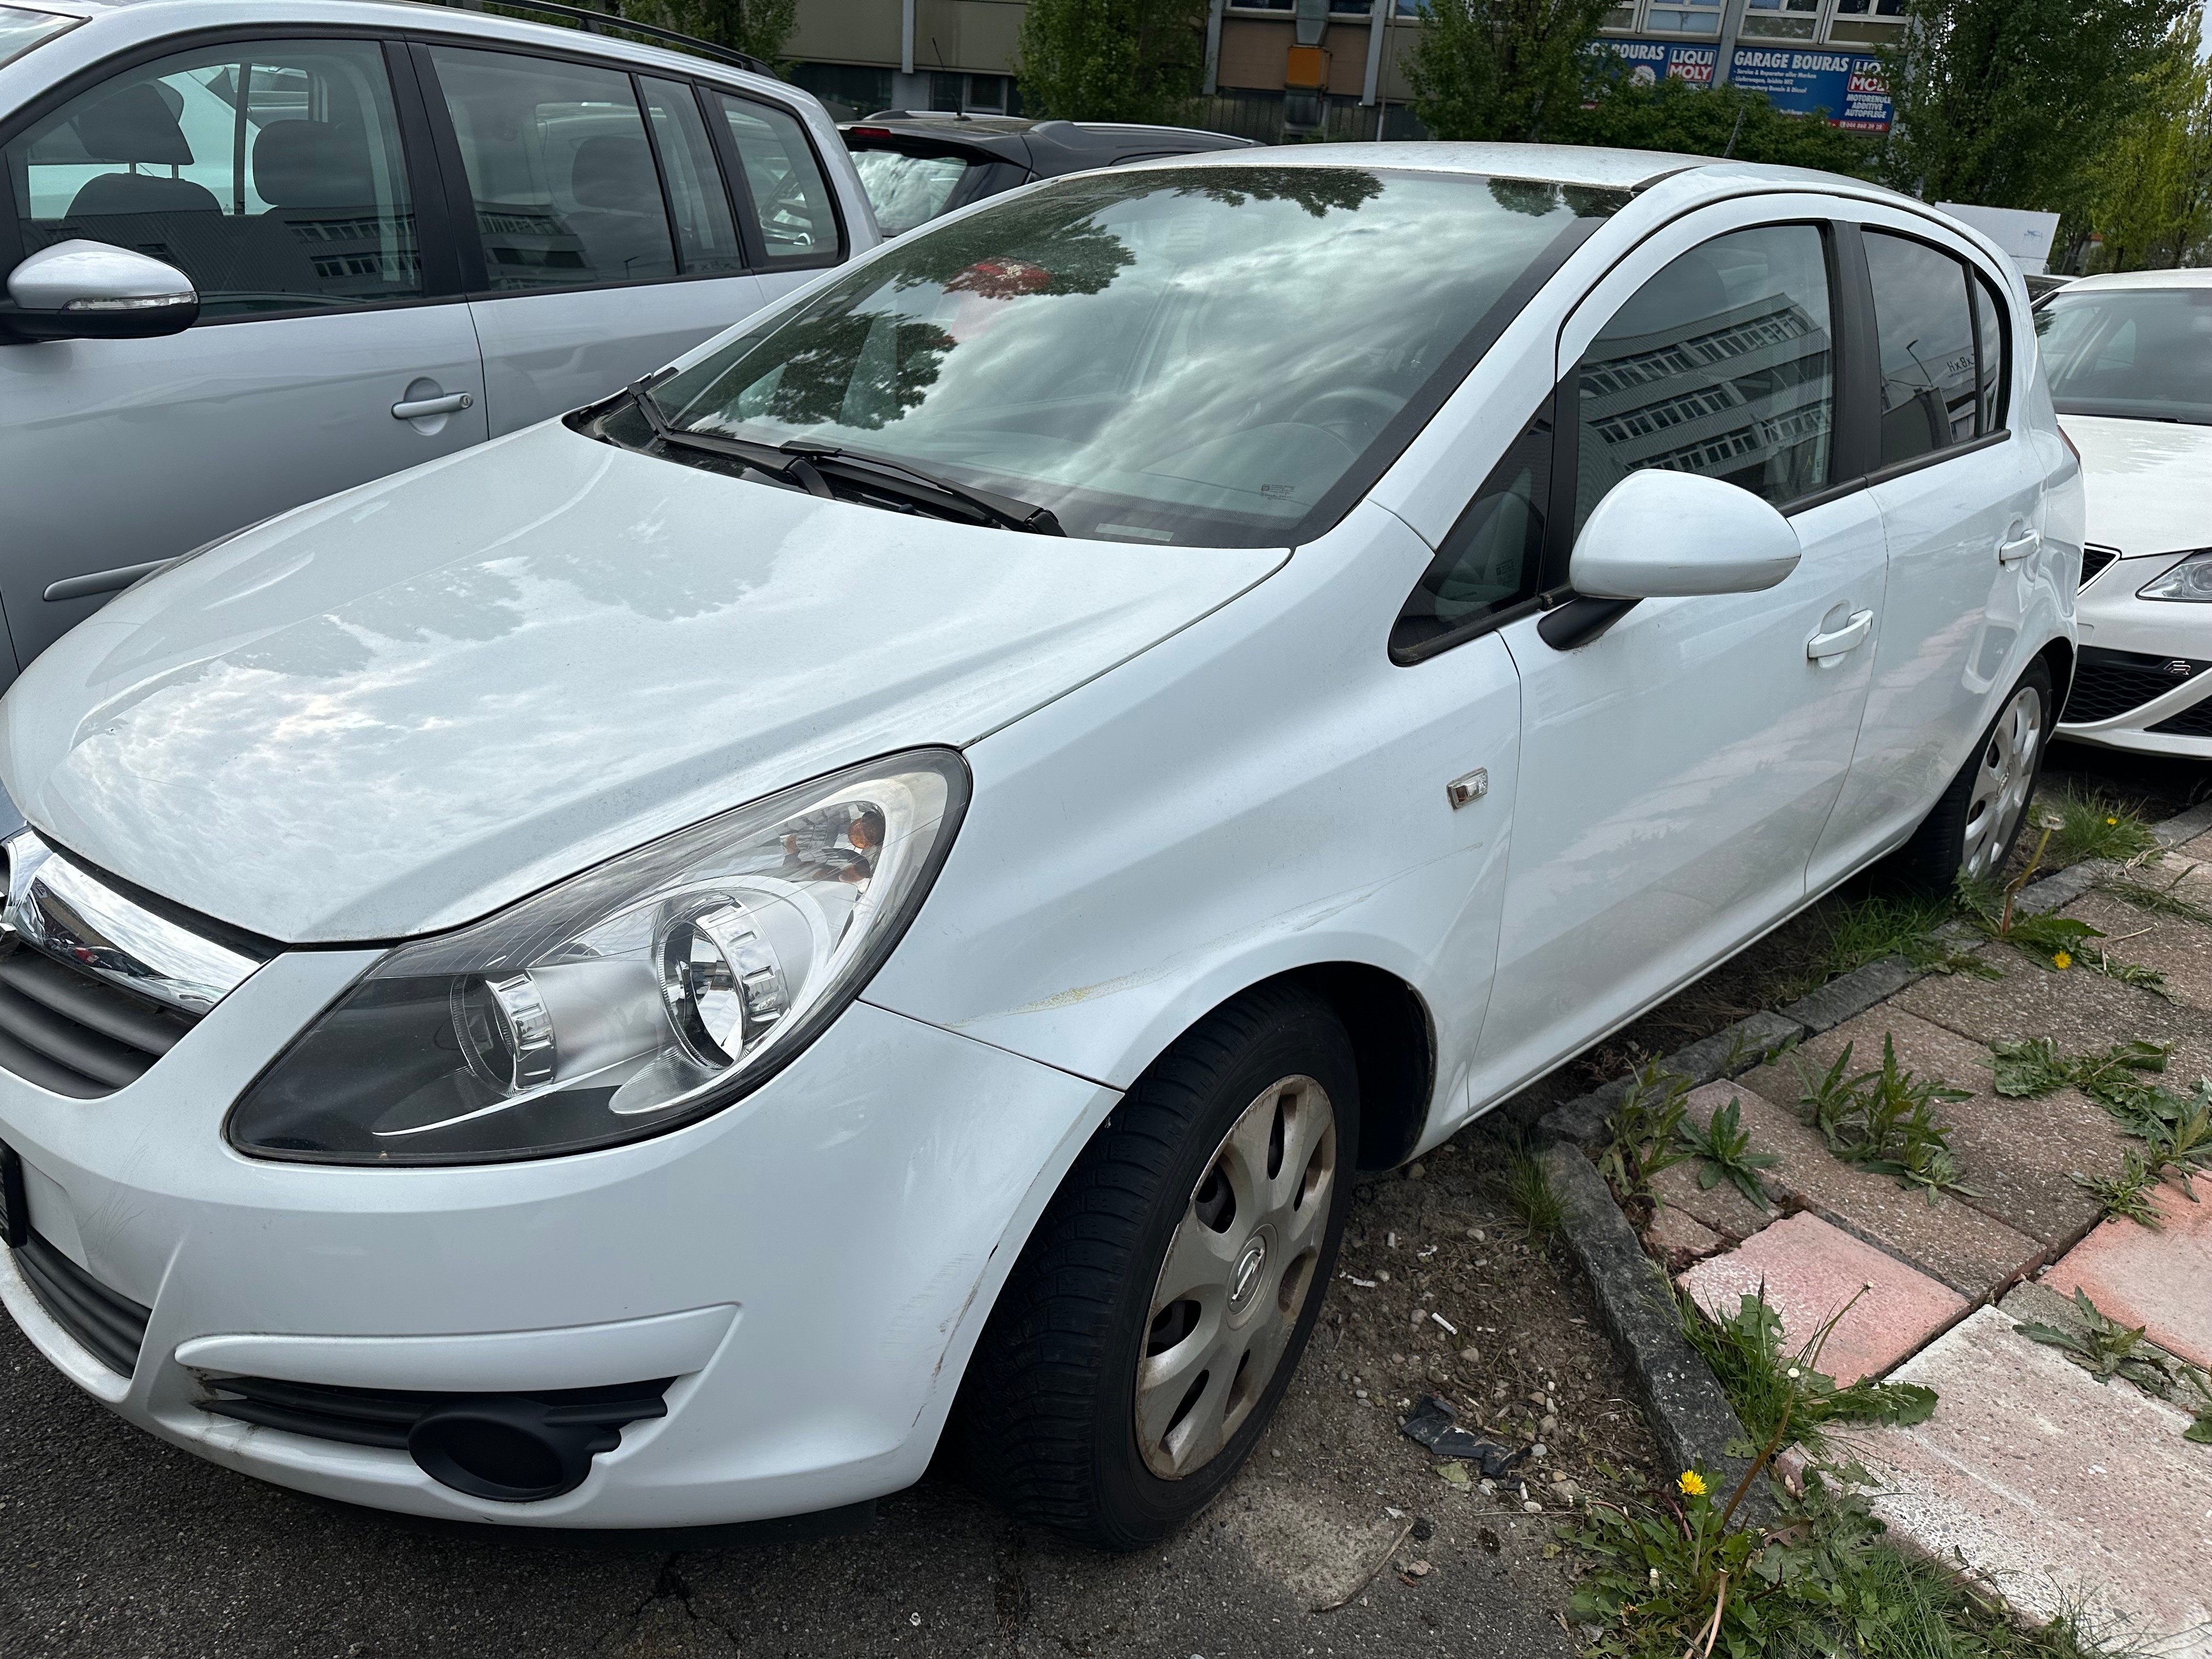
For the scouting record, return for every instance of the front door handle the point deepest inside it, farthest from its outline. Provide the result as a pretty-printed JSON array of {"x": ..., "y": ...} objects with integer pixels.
[
  {"x": 452, "y": 403},
  {"x": 2019, "y": 547},
  {"x": 1821, "y": 647}
]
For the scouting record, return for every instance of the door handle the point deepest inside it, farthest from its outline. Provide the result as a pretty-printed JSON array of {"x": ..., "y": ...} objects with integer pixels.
[
  {"x": 1821, "y": 647},
  {"x": 2019, "y": 547},
  {"x": 452, "y": 403}
]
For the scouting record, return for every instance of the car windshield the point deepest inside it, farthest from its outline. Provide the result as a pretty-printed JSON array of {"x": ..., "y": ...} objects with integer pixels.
[
  {"x": 20, "y": 29},
  {"x": 2141, "y": 353},
  {"x": 907, "y": 190},
  {"x": 1216, "y": 356}
]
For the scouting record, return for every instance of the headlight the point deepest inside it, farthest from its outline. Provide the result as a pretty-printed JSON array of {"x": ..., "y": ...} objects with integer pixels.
[
  {"x": 2192, "y": 580},
  {"x": 638, "y": 996}
]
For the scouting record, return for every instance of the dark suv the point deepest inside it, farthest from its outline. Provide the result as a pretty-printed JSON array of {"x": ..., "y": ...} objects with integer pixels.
[{"x": 917, "y": 165}]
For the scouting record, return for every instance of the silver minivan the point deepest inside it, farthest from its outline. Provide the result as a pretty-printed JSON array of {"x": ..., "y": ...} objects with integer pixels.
[{"x": 258, "y": 251}]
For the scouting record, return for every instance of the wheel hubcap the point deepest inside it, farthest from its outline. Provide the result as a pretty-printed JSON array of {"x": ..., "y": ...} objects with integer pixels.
[
  {"x": 2002, "y": 783},
  {"x": 1236, "y": 1277}
]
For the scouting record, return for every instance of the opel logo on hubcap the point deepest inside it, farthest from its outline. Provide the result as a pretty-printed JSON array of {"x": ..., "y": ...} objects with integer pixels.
[{"x": 1244, "y": 1278}]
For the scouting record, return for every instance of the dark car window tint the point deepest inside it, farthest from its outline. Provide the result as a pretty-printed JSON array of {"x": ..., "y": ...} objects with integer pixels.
[
  {"x": 2134, "y": 353},
  {"x": 1490, "y": 558},
  {"x": 706, "y": 235},
  {"x": 791, "y": 203},
  {"x": 1723, "y": 364},
  {"x": 269, "y": 173},
  {"x": 560, "y": 170},
  {"x": 1925, "y": 332}
]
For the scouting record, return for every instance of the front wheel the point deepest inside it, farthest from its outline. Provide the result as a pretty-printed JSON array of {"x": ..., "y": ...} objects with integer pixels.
[
  {"x": 1971, "y": 830},
  {"x": 1158, "y": 1311}
]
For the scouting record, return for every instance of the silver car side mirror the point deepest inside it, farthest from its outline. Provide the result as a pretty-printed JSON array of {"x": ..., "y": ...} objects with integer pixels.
[{"x": 85, "y": 291}]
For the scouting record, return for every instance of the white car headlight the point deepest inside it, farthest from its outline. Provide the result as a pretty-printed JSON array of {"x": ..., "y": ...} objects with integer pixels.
[
  {"x": 638, "y": 996},
  {"x": 2190, "y": 579}
]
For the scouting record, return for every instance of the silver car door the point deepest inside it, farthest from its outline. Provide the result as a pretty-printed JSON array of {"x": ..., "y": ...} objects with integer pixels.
[
  {"x": 282, "y": 176},
  {"x": 607, "y": 243}
]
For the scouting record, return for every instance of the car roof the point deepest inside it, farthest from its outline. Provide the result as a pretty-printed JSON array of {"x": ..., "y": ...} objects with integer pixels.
[
  {"x": 1563, "y": 164},
  {"x": 2198, "y": 278}
]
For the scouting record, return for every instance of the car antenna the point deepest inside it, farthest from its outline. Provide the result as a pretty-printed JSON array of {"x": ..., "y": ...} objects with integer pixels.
[{"x": 959, "y": 84}]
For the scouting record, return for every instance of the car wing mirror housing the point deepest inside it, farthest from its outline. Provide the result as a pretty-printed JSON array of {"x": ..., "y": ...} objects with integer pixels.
[
  {"x": 86, "y": 290},
  {"x": 1661, "y": 535}
]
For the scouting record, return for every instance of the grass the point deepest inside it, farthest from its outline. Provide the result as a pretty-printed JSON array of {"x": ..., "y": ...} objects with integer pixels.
[
  {"x": 2091, "y": 824},
  {"x": 1861, "y": 931},
  {"x": 2159, "y": 900},
  {"x": 1531, "y": 1197},
  {"x": 1767, "y": 1383}
]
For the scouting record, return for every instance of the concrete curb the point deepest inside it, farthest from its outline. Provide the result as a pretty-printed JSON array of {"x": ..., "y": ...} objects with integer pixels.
[{"x": 1688, "y": 1410}]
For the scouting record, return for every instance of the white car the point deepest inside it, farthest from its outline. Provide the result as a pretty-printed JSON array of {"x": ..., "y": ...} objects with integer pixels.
[
  {"x": 415, "y": 228},
  {"x": 2129, "y": 362},
  {"x": 884, "y": 883}
]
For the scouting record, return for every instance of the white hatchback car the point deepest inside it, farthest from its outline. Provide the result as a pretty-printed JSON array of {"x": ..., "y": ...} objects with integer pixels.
[
  {"x": 886, "y": 881},
  {"x": 2129, "y": 362}
]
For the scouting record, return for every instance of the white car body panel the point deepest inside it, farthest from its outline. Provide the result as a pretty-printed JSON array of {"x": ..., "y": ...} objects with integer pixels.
[
  {"x": 1194, "y": 770},
  {"x": 2148, "y": 483},
  {"x": 456, "y": 766}
]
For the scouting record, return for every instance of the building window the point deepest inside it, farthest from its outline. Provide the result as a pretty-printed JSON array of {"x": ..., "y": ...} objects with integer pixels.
[
  {"x": 1781, "y": 19},
  {"x": 1879, "y": 21},
  {"x": 972, "y": 95}
]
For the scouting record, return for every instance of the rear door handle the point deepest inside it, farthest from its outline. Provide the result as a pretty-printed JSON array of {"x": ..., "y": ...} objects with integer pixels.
[
  {"x": 1821, "y": 647},
  {"x": 2019, "y": 548},
  {"x": 452, "y": 403}
]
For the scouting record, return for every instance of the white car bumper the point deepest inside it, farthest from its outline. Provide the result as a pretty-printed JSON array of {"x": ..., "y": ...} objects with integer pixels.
[
  {"x": 810, "y": 1266},
  {"x": 2144, "y": 680}
]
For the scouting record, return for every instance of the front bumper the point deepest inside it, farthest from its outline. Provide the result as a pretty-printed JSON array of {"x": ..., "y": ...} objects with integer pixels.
[
  {"x": 811, "y": 1265},
  {"x": 2144, "y": 680}
]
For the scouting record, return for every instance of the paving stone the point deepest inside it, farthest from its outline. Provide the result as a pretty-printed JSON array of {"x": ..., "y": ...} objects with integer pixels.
[
  {"x": 1973, "y": 1252},
  {"x": 2155, "y": 1278},
  {"x": 2020, "y": 1156},
  {"x": 1721, "y": 1207},
  {"x": 2052, "y": 1486},
  {"x": 2177, "y": 947},
  {"x": 1679, "y": 1239},
  {"x": 2081, "y": 1010},
  {"x": 1811, "y": 1270}
]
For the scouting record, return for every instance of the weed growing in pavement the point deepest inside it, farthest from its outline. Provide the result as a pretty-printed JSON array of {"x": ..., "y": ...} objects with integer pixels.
[
  {"x": 1867, "y": 930},
  {"x": 1528, "y": 1191},
  {"x": 1722, "y": 1148},
  {"x": 1641, "y": 1136},
  {"x": 1765, "y": 1382},
  {"x": 2093, "y": 825},
  {"x": 1884, "y": 1121},
  {"x": 2200, "y": 1404},
  {"x": 2162, "y": 901},
  {"x": 2104, "y": 1347},
  {"x": 2175, "y": 1129}
]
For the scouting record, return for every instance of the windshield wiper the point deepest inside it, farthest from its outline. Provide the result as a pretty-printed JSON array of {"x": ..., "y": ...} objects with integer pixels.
[
  {"x": 1008, "y": 512},
  {"x": 800, "y": 462}
]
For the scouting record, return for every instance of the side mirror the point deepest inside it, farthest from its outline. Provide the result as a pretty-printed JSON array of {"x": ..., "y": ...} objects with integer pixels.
[
  {"x": 84, "y": 290},
  {"x": 1661, "y": 535}
]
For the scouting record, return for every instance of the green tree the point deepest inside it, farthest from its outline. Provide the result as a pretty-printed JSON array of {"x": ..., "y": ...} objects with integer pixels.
[
  {"x": 2151, "y": 189},
  {"x": 1112, "y": 60},
  {"x": 2008, "y": 103},
  {"x": 1501, "y": 69},
  {"x": 757, "y": 27},
  {"x": 1731, "y": 120}
]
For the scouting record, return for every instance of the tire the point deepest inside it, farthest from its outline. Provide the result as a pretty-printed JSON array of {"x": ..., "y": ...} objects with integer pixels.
[
  {"x": 1203, "y": 1153},
  {"x": 1972, "y": 828}
]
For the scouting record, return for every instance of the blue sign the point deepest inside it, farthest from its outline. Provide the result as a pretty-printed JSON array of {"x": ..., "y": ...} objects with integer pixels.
[{"x": 1798, "y": 81}]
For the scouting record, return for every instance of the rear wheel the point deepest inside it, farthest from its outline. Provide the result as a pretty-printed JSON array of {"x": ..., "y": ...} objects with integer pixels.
[
  {"x": 1972, "y": 828},
  {"x": 1158, "y": 1313}
]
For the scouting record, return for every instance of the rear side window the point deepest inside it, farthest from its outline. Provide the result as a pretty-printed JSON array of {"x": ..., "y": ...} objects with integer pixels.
[
  {"x": 1490, "y": 557},
  {"x": 906, "y": 191},
  {"x": 790, "y": 200},
  {"x": 270, "y": 173},
  {"x": 706, "y": 235},
  {"x": 1724, "y": 364},
  {"x": 560, "y": 170},
  {"x": 1990, "y": 314},
  {"x": 1924, "y": 328}
]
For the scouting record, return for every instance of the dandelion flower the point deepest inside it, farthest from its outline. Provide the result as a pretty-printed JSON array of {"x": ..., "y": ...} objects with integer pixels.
[
  {"x": 1795, "y": 1373},
  {"x": 2112, "y": 820},
  {"x": 1693, "y": 1483},
  {"x": 1655, "y": 1578},
  {"x": 2062, "y": 960}
]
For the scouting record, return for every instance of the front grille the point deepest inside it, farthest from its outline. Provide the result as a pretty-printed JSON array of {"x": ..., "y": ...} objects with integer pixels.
[
  {"x": 2093, "y": 560},
  {"x": 111, "y": 1325},
  {"x": 2194, "y": 721},
  {"x": 384, "y": 1417},
  {"x": 2108, "y": 683},
  {"x": 74, "y": 1034}
]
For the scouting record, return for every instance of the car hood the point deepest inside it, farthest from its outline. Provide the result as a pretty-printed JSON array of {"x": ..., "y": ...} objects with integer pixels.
[
  {"x": 2148, "y": 483},
  {"x": 395, "y": 710}
]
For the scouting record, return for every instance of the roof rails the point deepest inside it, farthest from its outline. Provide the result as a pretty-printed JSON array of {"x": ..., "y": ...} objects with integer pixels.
[{"x": 611, "y": 21}]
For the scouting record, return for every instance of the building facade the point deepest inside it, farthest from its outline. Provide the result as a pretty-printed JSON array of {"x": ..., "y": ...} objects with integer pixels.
[{"x": 1336, "y": 68}]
